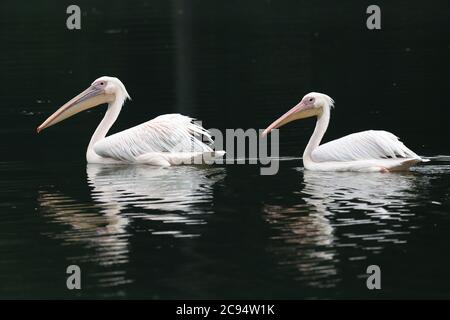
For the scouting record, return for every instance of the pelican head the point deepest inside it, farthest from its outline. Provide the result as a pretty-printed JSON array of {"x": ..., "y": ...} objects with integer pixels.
[
  {"x": 311, "y": 105},
  {"x": 103, "y": 90}
]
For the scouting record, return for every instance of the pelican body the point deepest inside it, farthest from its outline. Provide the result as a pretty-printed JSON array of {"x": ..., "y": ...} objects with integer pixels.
[
  {"x": 169, "y": 139},
  {"x": 366, "y": 151}
]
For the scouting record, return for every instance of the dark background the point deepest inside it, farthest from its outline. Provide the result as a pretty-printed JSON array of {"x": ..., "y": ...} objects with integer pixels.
[{"x": 232, "y": 64}]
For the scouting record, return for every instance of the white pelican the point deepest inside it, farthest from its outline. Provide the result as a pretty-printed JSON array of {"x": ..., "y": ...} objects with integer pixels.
[
  {"x": 367, "y": 151},
  {"x": 170, "y": 139}
]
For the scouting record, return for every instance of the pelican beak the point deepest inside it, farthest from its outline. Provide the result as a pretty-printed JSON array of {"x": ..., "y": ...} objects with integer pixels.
[
  {"x": 300, "y": 111},
  {"x": 89, "y": 98}
]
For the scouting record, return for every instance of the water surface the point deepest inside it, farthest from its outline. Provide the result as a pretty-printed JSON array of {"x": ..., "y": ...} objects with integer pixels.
[{"x": 222, "y": 231}]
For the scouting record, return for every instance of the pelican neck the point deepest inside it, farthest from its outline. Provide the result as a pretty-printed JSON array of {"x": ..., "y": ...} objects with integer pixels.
[
  {"x": 108, "y": 120},
  {"x": 322, "y": 122}
]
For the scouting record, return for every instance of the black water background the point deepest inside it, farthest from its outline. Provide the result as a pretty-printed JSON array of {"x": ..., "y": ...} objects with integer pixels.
[{"x": 233, "y": 64}]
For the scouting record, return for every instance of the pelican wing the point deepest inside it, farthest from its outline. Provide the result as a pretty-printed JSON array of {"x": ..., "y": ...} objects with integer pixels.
[
  {"x": 169, "y": 133},
  {"x": 365, "y": 145}
]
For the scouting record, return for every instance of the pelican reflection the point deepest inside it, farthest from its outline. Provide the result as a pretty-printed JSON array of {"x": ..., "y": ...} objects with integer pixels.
[
  {"x": 373, "y": 197},
  {"x": 340, "y": 216},
  {"x": 117, "y": 188},
  {"x": 167, "y": 201}
]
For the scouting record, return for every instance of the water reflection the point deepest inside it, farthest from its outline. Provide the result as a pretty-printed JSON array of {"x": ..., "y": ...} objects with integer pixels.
[
  {"x": 170, "y": 199},
  {"x": 379, "y": 196},
  {"x": 82, "y": 224},
  {"x": 169, "y": 189},
  {"x": 359, "y": 214}
]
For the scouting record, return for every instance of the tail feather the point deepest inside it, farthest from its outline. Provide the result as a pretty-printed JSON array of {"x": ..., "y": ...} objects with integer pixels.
[{"x": 405, "y": 164}]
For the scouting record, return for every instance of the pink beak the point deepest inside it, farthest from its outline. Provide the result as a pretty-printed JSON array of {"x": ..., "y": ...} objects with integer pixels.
[
  {"x": 300, "y": 111},
  {"x": 89, "y": 98}
]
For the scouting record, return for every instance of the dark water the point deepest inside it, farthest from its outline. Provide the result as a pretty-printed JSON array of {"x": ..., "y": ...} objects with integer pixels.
[{"x": 223, "y": 231}]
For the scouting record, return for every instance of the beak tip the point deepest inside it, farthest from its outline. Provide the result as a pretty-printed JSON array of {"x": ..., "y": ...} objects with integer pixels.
[
  {"x": 264, "y": 134},
  {"x": 38, "y": 129}
]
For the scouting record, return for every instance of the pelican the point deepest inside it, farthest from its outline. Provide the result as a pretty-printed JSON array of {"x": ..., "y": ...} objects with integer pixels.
[
  {"x": 366, "y": 151},
  {"x": 169, "y": 139}
]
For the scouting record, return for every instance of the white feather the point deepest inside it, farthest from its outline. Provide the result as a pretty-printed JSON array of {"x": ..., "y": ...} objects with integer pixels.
[
  {"x": 365, "y": 145},
  {"x": 167, "y": 134}
]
